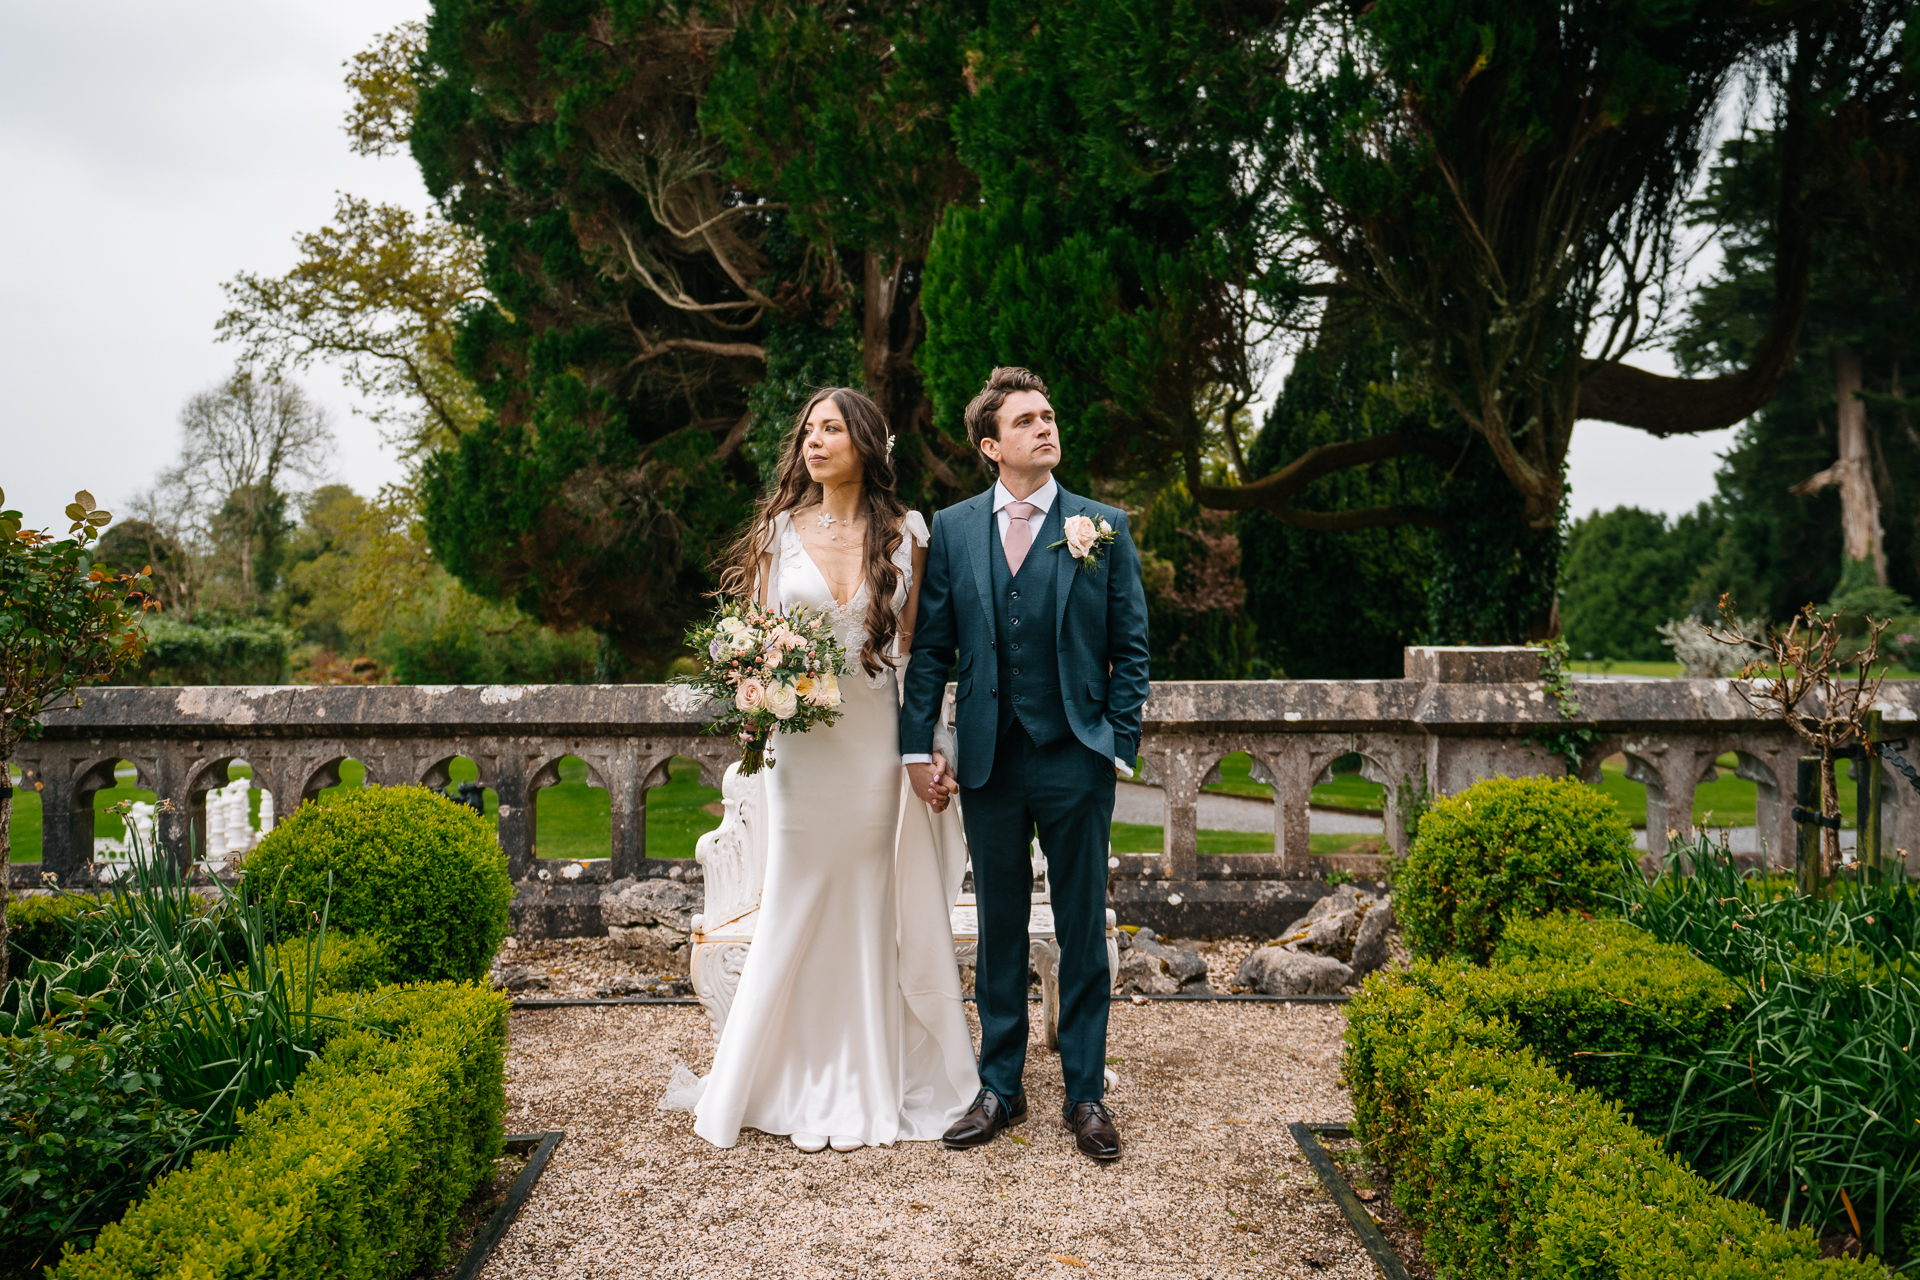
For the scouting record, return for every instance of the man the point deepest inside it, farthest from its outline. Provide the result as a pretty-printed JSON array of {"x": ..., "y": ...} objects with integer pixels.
[{"x": 1036, "y": 592}]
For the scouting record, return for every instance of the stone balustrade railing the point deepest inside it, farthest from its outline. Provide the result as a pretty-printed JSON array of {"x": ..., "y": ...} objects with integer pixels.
[{"x": 1458, "y": 715}]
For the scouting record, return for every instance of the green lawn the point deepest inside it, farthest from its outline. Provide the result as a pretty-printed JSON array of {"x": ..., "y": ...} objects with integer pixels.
[
  {"x": 24, "y": 827},
  {"x": 1346, "y": 791},
  {"x": 574, "y": 818},
  {"x": 1673, "y": 670},
  {"x": 1726, "y": 801},
  {"x": 1135, "y": 837}
]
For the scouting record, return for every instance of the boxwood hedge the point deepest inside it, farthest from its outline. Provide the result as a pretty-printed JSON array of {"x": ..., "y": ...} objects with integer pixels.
[
  {"x": 401, "y": 863},
  {"x": 357, "y": 1172},
  {"x": 1514, "y": 1169},
  {"x": 1506, "y": 848},
  {"x": 42, "y": 924}
]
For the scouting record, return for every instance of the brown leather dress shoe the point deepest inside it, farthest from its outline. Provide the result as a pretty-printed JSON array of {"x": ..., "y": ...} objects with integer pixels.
[
  {"x": 986, "y": 1117},
  {"x": 1093, "y": 1130}
]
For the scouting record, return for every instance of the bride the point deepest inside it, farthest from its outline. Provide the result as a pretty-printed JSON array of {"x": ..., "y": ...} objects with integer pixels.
[{"x": 847, "y": 1028}]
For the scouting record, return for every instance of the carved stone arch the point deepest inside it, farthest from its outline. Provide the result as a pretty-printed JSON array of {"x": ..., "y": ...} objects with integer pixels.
[
  {"x": 436, "y": 768},
  {"x": 98, "y": 774},
  {"x": 656, "y": 767},
  {"x": 547, "y": 773},
  {"x": 210, "y": 771},
  {"x": 325, "y": 772},
  {"x": 713, "y": 755},
  {"x": 1150, "y": 773}
]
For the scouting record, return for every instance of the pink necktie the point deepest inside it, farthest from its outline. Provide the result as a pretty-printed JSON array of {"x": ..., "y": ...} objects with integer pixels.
[{"x": 1019, "y": 533}]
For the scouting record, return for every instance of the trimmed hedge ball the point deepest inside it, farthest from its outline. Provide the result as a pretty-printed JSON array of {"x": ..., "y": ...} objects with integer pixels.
[
  {"x": 1516, "y": 847},
  {"x": 409, "y": 866}
]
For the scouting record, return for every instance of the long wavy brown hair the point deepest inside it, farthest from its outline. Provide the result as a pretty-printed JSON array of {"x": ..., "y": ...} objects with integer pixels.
[{"x": 794, "y": 489}]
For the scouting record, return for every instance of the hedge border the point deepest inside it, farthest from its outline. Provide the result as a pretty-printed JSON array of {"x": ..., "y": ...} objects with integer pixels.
[
  {"x": 357, "y": 1171},
  {"x": 1514, "y": 1170}
]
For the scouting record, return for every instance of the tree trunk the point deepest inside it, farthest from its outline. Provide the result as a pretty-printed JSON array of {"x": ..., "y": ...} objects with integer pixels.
[
  {"x": 1859, "y": 500},
  {"x": 1853, "y": 472}
]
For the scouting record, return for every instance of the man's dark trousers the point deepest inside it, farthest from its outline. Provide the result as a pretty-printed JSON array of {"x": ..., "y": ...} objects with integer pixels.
[{"x": 1064, "y": 792}]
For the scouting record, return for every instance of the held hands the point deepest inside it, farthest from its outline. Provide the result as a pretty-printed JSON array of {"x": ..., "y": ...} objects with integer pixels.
[{"x": 934, "y": 783}]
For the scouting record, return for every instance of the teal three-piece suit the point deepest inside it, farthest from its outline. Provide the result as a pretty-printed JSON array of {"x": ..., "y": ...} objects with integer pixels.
[{"x": 1050, "y": 671}]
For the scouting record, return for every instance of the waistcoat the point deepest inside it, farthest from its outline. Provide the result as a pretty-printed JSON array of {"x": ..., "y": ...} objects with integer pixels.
[{"x": 1028, "y": 659}]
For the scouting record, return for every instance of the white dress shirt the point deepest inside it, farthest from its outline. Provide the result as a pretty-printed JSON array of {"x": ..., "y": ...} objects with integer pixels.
[{"x": 1042, "y": 499}]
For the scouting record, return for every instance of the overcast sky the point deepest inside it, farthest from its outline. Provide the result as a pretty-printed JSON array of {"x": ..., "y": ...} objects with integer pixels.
[{"x": 153, "y": 151}]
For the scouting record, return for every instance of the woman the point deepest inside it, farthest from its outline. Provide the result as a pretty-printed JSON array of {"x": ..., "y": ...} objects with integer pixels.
[{"x": 847, "y": 1029}]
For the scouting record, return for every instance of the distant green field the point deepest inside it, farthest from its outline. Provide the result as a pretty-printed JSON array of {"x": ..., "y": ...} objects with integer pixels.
[
  {"x": 1725, "y": 801},
  {"x": 574, "y": 818},
  {"x": 1134, "y": 837},
  {"x": 1346, "y": 791},
  {"x": 1672, "y": 670}
]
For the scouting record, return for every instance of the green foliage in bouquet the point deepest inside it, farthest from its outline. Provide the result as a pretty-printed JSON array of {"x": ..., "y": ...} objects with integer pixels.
[{"x": 770, "y": 670}]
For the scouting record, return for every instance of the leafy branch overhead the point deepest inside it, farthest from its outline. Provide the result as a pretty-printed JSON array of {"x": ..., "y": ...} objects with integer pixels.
[
  {"x": 66, "y": 622},
  {"x": 658, "y": 226}
]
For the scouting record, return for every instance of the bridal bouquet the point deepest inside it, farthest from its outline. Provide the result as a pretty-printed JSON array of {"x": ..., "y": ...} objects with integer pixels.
[{"x": 769, "y": 669}]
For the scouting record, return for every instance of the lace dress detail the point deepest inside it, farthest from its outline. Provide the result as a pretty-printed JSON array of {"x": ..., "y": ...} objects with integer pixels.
[{"x": 795, "y": 566}]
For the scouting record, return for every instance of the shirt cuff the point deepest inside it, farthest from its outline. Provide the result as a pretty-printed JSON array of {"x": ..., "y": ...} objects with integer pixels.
[
  {"x": 1125, "y": 769},
  {"x": 921, "y": 758}
]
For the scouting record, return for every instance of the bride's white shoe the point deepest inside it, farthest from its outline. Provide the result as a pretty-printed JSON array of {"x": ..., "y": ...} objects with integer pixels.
[
  {"x": 809, "y": 1142},
  {"x": 847, "y": 1144}
]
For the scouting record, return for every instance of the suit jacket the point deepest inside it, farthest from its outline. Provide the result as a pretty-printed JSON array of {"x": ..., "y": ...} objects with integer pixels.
[{"x": 1099, "y": 624}]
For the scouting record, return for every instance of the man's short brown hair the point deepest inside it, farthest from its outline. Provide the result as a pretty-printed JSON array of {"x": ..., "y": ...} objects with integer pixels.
[{"x": 983, "y": 411}]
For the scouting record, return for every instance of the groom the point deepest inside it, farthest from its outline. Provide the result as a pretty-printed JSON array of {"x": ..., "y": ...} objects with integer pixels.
[{"x": 1037, "y": 592}]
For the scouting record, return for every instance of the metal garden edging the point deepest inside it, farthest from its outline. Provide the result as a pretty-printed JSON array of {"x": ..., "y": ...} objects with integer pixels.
[
  {"x": 542, "y": 1145},
  {"x": 1307, "y": 1136}
]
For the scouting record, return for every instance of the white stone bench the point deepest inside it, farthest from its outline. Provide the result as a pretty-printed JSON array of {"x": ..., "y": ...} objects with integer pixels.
[{"x": 733, "y": 857}]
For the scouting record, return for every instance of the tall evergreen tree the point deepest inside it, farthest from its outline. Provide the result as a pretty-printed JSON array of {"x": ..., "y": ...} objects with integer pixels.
[
  {"x": 1822, "y": 487},
  {"x": 1626, "y": 571},
  {"x": 1331, "y": 604}
]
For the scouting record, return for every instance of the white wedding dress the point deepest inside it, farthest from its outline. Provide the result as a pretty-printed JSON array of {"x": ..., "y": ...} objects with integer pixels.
[{"x": 848, "y": 1021}]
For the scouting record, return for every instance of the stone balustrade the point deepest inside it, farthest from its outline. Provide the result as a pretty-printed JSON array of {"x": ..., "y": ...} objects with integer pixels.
[{"x": 1458, "y": 715}]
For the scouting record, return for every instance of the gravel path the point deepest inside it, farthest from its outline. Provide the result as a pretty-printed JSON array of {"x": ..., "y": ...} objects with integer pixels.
[{"x": 1210, "y": 1187}]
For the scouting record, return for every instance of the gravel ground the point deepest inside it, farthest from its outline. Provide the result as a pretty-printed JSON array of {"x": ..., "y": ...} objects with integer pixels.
[
  {"x": 1210, "y": 1186},
  {"x": 591, "y": 967}
]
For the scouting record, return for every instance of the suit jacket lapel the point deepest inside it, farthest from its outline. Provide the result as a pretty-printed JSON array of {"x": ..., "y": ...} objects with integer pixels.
[
  {"x": 1064, "y": 567},
  {"x": 983, "y": 541}
]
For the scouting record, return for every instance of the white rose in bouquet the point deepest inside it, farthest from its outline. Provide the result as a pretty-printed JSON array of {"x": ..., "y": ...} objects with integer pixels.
[{"x": 782, "y": 700}]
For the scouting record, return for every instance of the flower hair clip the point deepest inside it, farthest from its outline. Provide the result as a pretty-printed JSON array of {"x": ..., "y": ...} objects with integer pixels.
[{"x": 889, "y": 444}]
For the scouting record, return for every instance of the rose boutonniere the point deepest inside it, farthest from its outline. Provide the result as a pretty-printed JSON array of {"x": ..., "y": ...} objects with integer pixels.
[{"x": 1086, "y": 539}]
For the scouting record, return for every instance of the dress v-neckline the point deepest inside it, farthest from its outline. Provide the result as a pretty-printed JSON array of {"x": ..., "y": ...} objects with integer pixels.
[{"x": 821, "y": 574}]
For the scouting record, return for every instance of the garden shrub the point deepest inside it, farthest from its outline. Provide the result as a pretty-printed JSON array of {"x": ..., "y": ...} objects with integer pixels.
[
  {"x": 346, "y": 963},
  {"x": 252, "y": 651},
  {"x": 42, "y": 924},
  {"x": 1506, "y": 848},
  {"x": 82, "y": 1132},
  {"x": 1616, "y": 1009},
  {"x": 406, "y": 864},
  {"x": 357, "y": 1172},
  {"x": 1516, "y": 1172}
]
